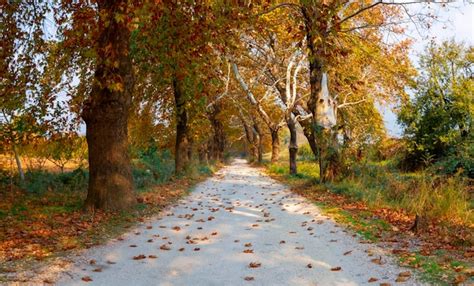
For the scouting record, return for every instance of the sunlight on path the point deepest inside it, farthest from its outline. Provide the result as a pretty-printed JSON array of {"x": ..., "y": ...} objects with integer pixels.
[{"x": 238, "y": 228}]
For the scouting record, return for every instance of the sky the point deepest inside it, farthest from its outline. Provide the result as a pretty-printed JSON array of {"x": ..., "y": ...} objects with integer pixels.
[{"x": 456, "y": 21}]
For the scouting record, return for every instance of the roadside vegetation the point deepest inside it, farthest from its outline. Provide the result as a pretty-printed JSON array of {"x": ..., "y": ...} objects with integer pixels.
[{"x": 42, "y": 216}]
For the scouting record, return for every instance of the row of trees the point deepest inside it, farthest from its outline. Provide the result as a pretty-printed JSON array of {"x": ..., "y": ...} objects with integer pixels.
[{"x": 196, "y": 76}]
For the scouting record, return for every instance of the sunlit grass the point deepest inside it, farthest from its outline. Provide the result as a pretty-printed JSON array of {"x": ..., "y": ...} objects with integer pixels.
[{"x": 380, "y": 184}]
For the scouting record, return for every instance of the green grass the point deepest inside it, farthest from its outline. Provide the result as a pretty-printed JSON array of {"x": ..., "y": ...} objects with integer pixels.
[{"x": 382, "y": 184}]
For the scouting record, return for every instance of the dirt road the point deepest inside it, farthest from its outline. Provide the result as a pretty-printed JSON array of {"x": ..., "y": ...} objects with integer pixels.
[{"x": 238, "y": 228}]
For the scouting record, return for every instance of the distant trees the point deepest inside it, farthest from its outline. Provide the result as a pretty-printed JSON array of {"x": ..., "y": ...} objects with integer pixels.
[
  {"x": 23, "y": 93},
  {"x": 438, "y": 118}
]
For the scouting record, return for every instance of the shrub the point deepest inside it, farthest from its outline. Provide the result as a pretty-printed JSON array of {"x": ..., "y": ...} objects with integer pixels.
[
  {"x": 152, "y": 167},
  {"x": 305, "y": 153}
]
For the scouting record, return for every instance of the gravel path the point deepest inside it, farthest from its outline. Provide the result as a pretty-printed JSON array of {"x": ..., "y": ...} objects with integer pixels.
[{"x": 238, "y": 228}]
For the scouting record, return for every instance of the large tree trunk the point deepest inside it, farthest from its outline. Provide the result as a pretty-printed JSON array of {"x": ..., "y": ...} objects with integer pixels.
[
  {"x": 293, "y": 146},
  {"x": 21, "y": 173},
  {"x": 275, "y": 144},
  {"x": 181, "y": 152},
  {"x": 106, "y": 113}
]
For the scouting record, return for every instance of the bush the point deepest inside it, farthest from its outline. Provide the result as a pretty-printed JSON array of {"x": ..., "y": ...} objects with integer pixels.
[
  {"x": 41, "y": 181},
  {"x": 152, "y": 167},
  {"x": 305, "y": 153}
]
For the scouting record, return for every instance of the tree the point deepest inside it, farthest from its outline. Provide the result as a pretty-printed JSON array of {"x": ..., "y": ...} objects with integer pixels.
[
  {"x": 273, "y": 125},
  {"x": 176, "y": 46},
  {"x": 107, "y": 109},
  {"x": 437, "y": 120},
  {"x": 334, "y": 29},
  {"x": 23, "y": 97}
]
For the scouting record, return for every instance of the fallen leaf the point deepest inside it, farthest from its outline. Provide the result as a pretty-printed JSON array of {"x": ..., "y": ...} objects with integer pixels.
[
  {"x": 152, "y": 256},
  {"x": 249, "y": 278},
  {"x": 255, "y": 264},
  {"x": 377, "y": 261},
  {"x": 469, "y": 254},
  {"x": 373, "y": 279},
  {"x": 197, "y": 249},
  {"x": 248, "y": 245},
  {"x": 248, "y": 251},
  {"x": 309, "y": 265},
  {"x": 111, "y": 262},
  {"x": 92, "y": 262},
  {"x": 181, "y": 249},
  {"x": 460, "y": 279},
  {"x": 338, "y": 268},
  {"x": 139, "y": 257},
  {"x": 165, "y": 247},
  {"x": 405, "y": 274},
  {"x": 132, "y": 245},
  {"x": 86, "y": 279},
  {"x": 348, "y": 252},
  {"x": 176, "y": 228}
]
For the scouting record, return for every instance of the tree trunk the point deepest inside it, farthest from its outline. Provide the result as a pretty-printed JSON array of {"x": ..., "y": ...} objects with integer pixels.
[
  {"x": 18, "y": 164},
  {"x": 259, "y": 136},
  {"x": 330, "y": 163},
  {"x": 106, "y": 113},
  {"x": 181, "y": 128},
  {"x": 293, "y": 146},
  {"x": 275, "y": 144},
  {"x": 190, "y": 147},
  {"x": 218, "y": 137},
  {"x": 249, "y": 135},
  {"x": 309, "y": 134},
  {"x": 202, "y": 153}
]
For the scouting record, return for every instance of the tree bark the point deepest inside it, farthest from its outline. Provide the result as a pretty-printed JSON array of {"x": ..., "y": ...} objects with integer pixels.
[
  {"x": 190, "y": 150},
  {"x": 218, "y": 137},
  {"x": 293, "y": 146},
  {"x": 203, "y": 154},
  {"x": 250, "y": 136},
  {"x": 106, "y": 113},
  {"x": 275, "y": 144},
  {"x": 21, "y": 173},
  {"x": 181, "y": 128},
  {"x": 311, "y": 138},
  {"x": 259, "y": 136}
]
